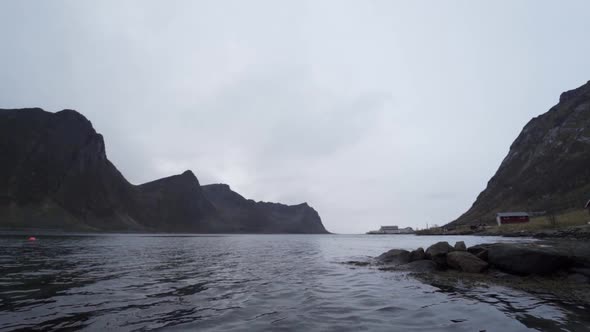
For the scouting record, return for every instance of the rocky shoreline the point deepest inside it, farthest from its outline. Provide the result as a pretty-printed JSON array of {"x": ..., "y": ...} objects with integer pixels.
[
  {"x": 557, "y": 268},
  {"x": 574, "y": 232}
]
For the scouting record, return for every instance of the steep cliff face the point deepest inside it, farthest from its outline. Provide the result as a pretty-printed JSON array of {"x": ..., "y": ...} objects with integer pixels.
[
  {"x": 179, "y": 201},
  {"x": 547, "y": 167},
  {"x": 247, "y": 216},
  {"x": 55, "y": 174},
  {"x": 54, "y": 170}
]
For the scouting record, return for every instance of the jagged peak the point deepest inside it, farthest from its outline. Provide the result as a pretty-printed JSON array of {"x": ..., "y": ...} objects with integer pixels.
[
  {"x": 72, "y": 114},
  {"x": 218, "y": 185},
  {"x": 29, "y": 109},
  {"x": 188, "y": 173},
  {"x": 69, "y": 111},
  {"x": 186, "y": 177},
  {"x": 568, "y": 95},
  {"x": 225, "y": 187},
  {"x": 303, "y": 205}
]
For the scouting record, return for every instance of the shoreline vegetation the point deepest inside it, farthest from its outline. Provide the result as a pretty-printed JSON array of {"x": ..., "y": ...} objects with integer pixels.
[
  {"x": 557, "y": 268},
  {"x": 571, "y": 224}
]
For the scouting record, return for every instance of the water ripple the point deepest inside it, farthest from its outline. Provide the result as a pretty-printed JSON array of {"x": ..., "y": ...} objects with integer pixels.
[{"x": 246, "y": 282}]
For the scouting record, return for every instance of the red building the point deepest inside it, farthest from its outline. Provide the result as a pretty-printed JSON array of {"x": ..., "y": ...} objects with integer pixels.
[{"x": 512, "y": 218}]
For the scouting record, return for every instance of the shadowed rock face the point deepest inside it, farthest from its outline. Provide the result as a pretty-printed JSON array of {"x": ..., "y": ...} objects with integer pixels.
[
  {"x": 547, "y": 166},
  {"x": 179, "y": 201},
  {"x": 55, "y": 174},
  {"x": 438, "y": 252},
  {"x": 247, "y": 216},
  {"x": 395, "y": 256},
  {"x": 55, "y": 171},
  {"x": 418, "y": 254},
  {"x": 466, "y": 262},
  {"x": 522, "y": 259}
]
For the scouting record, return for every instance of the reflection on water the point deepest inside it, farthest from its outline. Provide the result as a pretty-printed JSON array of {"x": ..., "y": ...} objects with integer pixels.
[{"x": 247, "y": 282}]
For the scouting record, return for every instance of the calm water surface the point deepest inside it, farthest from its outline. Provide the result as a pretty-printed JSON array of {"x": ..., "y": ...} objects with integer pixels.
[{"x": 248, "y": 282}]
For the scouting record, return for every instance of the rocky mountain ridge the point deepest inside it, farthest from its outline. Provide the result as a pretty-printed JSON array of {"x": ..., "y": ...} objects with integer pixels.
[
  {"x": 262, "y": 217},
  {"x": 55, "y": 174}
]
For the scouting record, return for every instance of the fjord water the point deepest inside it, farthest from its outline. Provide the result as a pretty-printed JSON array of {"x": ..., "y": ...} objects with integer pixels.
[{"x": 248, "y": 282}]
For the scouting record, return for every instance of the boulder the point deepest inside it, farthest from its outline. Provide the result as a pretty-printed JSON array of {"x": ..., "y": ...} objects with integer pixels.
[
  {"x": 418, "y": 254},
  {"x": 460, "y": 245},
  {"x": 526, "y": 259},
  {"x": 420, "y": 266},
  {"x": 480, "y": 251},
  {"x": 466, "y": 262},
  {"x": 395, "y": 256},
  {"x": 439, "y": 248},
  {"x": 438, "y": 252}
]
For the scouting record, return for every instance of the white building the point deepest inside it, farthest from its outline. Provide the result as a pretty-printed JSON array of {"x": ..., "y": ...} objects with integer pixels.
[{"x": 392, "y": 230}]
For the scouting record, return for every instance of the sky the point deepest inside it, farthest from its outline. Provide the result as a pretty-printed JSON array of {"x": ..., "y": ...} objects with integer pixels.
[{"x": 373, "y": 112}]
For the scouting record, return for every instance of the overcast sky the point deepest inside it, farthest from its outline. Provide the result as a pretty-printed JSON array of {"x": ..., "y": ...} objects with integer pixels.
[{"x": 373, "y": 112}]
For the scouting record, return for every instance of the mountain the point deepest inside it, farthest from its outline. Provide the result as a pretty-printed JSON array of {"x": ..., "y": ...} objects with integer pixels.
[
  {"x": 55, "y": 174},
  {"x": 259, "y": 217},
  {"x": 547, "y": 167},
  {"x": 178, "y": 201}
]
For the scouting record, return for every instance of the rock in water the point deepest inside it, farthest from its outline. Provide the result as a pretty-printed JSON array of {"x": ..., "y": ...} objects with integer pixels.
[
  {"x": 460, "y": 245},
  {"x": 420, "y": 266},
  {"x": 480, "y": 251},
  {"x": 439, "y": 248},
  {"x": 438, "y": 252},
  {"x": 395, "y": 256},
  {"x": 466, "y": 262},
  {"x": 418, "y": 254},
  {"x": 524, "y": 260}
]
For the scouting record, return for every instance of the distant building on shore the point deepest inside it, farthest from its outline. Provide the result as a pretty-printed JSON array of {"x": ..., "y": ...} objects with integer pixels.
[
  {"x": 503, "y": 218},
  {"x": 393, "y": 230}
]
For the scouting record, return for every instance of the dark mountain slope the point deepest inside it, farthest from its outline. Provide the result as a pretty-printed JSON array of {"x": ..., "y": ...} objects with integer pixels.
[
  {"x": 180, "y": 202},
  {"x": 54, "y": 167},
  {"x": 248, "y": 216},
  {"x": 55, "y": 174},
  {"x": 547, "y": 167}
]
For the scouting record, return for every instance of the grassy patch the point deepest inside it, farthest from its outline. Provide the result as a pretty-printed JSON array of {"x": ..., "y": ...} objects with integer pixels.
[{"x": 566, "y": 219}]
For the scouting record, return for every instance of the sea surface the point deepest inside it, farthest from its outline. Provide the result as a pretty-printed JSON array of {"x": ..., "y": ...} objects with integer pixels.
[{"x": 249, "y": 283}]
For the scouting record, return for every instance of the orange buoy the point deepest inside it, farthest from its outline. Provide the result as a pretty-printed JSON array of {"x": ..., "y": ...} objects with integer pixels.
[{"x": 32, "y": 238}]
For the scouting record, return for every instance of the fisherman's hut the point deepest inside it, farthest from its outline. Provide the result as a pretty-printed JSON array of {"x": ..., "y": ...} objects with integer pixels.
[{"x": 512, "y": 218}]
